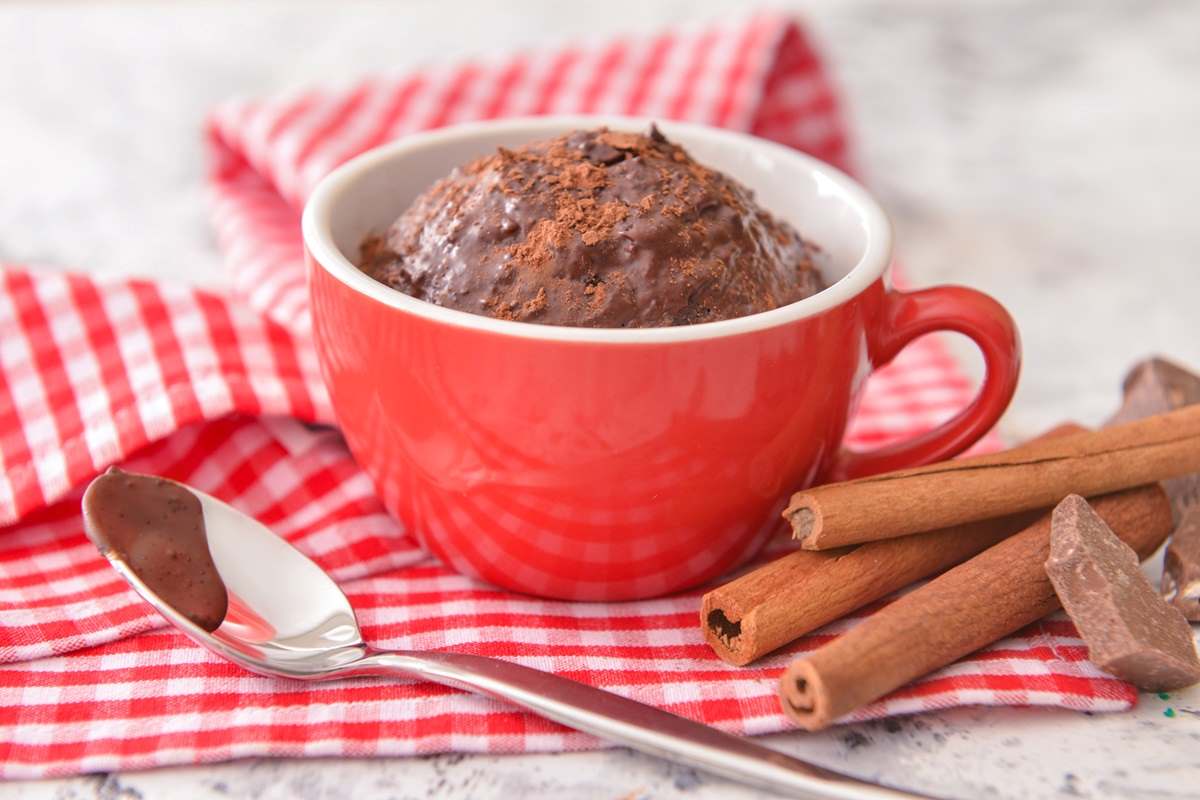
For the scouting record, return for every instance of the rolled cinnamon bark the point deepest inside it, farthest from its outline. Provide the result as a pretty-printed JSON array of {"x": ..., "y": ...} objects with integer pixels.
[
  {"x": 765, "y": 609},
  {"x": 984, "y": 599},
  {"x": 1034, "y": 476},
  {"x": 769, "y": 607}
]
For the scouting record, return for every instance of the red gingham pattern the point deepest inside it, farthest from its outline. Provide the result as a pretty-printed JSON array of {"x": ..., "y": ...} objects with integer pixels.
[{"x": 223, "y": 392}]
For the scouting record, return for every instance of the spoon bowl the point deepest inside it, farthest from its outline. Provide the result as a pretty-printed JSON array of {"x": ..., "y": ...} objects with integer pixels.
[{"x": 298, "y": 621}]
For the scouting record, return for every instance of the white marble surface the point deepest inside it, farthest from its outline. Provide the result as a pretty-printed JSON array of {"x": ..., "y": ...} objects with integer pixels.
[{"x": 1043, "y": 152}]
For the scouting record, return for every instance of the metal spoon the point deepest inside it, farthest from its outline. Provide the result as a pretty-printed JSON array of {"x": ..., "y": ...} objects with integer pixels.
[{"x": 288, "y": 619}]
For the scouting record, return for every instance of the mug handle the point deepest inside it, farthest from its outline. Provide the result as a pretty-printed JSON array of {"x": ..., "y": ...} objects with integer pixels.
[{"x": 908, "y": 315}]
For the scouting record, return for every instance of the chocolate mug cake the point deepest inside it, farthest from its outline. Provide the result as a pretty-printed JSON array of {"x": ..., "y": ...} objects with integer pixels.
[
  {"x": 595, "y": 228},
  {"x": 611, "y": 463}
]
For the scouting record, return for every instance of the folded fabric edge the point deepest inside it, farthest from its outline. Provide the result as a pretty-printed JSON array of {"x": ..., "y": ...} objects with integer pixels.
[{"x": 161, "y": 358}]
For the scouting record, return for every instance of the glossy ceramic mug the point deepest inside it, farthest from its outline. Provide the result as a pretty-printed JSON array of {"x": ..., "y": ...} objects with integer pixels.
[{"x": 608, "y": 464}]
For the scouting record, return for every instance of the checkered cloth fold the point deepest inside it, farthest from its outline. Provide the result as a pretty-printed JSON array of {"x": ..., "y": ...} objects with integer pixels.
[{"x": 220, "y": 392}]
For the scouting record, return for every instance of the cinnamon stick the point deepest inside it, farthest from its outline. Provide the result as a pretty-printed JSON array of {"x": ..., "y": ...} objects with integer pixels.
[
  {"x": 765, "y": 609},
  {"x": 984, "y": 599},
  {"x": 1036, "y": 476}
]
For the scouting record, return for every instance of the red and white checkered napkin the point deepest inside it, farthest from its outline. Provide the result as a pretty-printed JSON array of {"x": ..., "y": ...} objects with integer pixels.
[{"x": 217, "y": 391}]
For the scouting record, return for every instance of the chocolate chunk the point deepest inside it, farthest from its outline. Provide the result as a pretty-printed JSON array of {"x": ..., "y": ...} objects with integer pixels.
[
  {"x": 1129, "y": 629},
  {"x": 1155, "y": 386},
  {"x": 595, "y": 228},
  {"x": 1181, "y": 569},
  {"x": 156, "y": 527}
]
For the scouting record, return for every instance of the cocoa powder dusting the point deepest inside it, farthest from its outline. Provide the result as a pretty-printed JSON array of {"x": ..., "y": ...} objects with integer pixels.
[{"x": 596, "y": 228}]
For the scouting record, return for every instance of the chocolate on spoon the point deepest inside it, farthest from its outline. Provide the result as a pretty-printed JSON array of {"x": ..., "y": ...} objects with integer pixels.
[{"x": 156, "y": 527}]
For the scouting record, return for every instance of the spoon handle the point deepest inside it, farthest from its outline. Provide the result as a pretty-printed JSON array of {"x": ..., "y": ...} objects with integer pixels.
[{"x": 626, "y": 722}]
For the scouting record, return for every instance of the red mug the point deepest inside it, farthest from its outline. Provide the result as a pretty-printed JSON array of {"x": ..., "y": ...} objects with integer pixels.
[{"x": 610, "y": 464}]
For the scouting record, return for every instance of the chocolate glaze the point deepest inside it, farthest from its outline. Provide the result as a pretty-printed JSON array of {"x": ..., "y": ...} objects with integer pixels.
[
  {"x": 156, "y": 527},
  {"x": 595, "y": 229}
]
